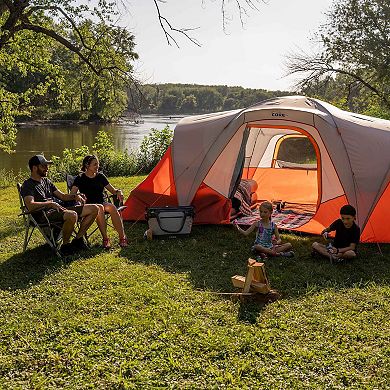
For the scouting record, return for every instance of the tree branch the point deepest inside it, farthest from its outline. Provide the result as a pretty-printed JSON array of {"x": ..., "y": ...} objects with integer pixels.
[
  {"x": 167, "y": 34},
  {"x": 60, "y": 39},
  {"x": 67, "y": 17},
  {"x": 316, "y": 67}
]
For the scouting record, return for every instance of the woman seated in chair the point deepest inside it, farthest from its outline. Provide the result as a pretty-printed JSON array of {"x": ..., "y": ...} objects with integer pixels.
[{"x": 92, "y": 183}]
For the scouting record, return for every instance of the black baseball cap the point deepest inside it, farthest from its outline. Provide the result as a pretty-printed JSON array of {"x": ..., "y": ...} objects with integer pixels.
[{"x": 38, "y": 159}]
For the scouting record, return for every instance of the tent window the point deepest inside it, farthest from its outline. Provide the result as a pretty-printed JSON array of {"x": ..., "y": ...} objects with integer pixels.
[{"x": 298, "y": 150}]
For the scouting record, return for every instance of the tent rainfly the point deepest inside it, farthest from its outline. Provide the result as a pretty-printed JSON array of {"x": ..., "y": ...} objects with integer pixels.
[{"x": 210, "y": 153}]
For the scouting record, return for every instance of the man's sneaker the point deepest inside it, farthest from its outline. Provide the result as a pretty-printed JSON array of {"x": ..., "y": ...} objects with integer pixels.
[
  {"x": 67, "y": 249},
  {"x": 79, "y": 244},
  {"x": 287, "y": 254}
]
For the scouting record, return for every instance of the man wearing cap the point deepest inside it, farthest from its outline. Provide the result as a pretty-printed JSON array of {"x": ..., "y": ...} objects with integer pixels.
[{"x": 38, "y": 191}]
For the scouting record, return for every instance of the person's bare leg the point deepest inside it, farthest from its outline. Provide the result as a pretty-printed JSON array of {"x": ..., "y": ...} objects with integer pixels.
[
  {"x": 88, "y": 215},
  {"x": 70, "y": 219},
  {"x": 283, "y": 247},
  {"x": 116, "y": 219},
  {"x": 267, "y": 251},
  {"x": 348, "y": 255},
  {"x": 320, "y": 248},
  {"x": 101, "y": 222}
]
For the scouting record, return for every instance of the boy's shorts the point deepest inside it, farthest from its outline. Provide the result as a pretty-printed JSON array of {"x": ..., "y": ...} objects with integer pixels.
[{"x": 57, "y": 216}]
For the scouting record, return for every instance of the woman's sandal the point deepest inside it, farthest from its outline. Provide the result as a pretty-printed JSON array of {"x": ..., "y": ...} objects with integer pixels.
[
  {"x": 123, "y": 243},
  {"x": 106, "y": 243}
]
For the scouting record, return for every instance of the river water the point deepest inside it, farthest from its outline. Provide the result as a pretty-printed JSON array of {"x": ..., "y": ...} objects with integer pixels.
[{"x": 52, "y": 140}]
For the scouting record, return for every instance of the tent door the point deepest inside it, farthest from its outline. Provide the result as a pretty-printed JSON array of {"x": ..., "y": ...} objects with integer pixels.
[{"x": 237, "y": 173}]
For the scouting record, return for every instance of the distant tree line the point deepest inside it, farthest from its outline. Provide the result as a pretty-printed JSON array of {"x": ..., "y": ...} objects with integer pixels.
[{"x": 191, "y": 98}]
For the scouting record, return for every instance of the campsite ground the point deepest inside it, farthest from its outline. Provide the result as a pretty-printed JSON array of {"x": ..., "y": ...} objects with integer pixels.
[{"x": 148, "y": 316}]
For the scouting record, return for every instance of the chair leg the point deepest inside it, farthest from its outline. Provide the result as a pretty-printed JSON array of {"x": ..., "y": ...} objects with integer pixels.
[
  {"x": 27, "y": 236},
  {"x": 50, "y": 240}
]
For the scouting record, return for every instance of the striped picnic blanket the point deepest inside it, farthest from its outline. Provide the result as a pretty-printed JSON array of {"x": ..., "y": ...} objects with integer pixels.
[{"x": 285, "y": 219}]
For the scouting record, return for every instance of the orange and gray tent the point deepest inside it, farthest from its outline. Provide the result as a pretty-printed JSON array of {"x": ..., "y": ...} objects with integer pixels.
[{"x": 210, "y": 153}]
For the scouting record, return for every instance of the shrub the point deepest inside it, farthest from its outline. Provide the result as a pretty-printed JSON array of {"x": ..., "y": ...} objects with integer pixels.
[
  {"x": 152, "y": 148},
  {"x": 9, "y": 178},
  {"x": 114, "y": 163}
]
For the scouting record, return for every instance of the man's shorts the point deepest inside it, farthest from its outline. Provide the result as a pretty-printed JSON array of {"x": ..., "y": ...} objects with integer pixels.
[{"x": 57, "y": 216}]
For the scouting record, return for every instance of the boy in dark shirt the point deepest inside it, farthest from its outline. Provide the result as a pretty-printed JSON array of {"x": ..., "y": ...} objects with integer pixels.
[{"x": 346, "y": 239}]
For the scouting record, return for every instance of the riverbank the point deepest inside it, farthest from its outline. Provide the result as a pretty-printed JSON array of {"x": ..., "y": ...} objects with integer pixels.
[
  {"x": 124, "y": 120},
  {"x": 52, "y": 137}
]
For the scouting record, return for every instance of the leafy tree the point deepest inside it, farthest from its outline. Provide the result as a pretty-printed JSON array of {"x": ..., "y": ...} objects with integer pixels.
[
  {"x": 101, "y": 96},
  {"x": 35, "y": 38},
  {"x": 26, "y": 75},
  {"x": 356, "y": 47},
  {"x": 168, "y": 104},
  {"x": 188, "y": 104}
]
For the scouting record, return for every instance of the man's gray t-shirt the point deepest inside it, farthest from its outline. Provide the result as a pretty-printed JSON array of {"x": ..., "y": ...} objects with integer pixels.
[{"x": 41, "y": 191}]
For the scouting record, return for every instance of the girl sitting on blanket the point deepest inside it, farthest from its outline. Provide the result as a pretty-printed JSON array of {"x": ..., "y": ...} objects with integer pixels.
[{"x": 265, "y": 243}]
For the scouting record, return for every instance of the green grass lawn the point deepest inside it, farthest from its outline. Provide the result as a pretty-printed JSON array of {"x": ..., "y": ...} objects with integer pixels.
[{"x": 149, "y": 316}]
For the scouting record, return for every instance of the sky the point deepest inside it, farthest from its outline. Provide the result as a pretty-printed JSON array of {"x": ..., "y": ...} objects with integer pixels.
[{"x": 252, "y": 56}]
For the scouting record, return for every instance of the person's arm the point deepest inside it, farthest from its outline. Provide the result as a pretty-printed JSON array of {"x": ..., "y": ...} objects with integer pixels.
[
  {"x": 330, "y": 228},
  {"x": 277, "y": 236},
  {"x": 351, "y": 247},
  {"x": 115, "y": 191},
  {"x": 249, "y": 230},
  {"x": 72, "y": 196},
  {"x": 338, "y": 252},
  {"x": 326, "y": 230},
  {"x": 32, "y": 205}
]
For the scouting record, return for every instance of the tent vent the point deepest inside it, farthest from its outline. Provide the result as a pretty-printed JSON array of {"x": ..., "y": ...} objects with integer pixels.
[
  {"x": 363, "y": 118},
  {"x": 272, "y": 102}
]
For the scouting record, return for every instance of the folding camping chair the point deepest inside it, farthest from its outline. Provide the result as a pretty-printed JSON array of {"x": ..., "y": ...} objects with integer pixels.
[
  {"x": 109, "y": 198},
  {"x": 52, "y": 232}
]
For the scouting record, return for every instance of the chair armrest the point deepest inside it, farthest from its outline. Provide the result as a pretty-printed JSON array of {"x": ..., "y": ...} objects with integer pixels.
[
  {"x": 112, "y": 198},
  {"x": 27, "y": 212}
]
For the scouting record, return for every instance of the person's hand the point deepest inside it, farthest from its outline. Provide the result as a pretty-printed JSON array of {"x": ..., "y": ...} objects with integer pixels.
[
  {"x": 119, "y": 195},
  {"x": 80, "y": 198},
  {"x": 56, "y": 206}
]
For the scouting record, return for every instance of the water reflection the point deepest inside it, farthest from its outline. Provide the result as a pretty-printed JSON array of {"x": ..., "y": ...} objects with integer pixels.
[{"x": 52, "y": 140}]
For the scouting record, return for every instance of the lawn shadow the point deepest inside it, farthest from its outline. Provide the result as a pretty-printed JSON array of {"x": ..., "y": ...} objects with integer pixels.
[
  {"x": 211, "y": 255},
  {"x": 208, "y": 261},
  {"x": 22, "y": 270}
]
